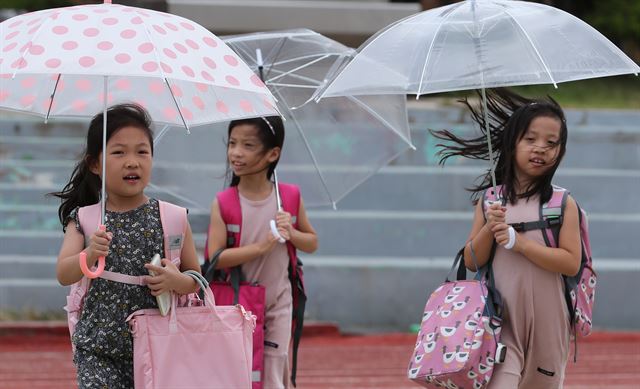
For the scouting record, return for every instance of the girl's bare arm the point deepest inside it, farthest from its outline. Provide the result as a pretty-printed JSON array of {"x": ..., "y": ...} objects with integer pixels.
[
  {"x": 304, "y": 237},
  {"x": 564, "y": 259},
  {"x": 481, "y": 237},
  {"x": 68, "y": 266}
]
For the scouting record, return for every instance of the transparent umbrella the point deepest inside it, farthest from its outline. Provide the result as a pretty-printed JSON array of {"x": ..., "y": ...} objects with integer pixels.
[
  {"x": 330, "y": 147},
  {"x": 478, "y": 44}
]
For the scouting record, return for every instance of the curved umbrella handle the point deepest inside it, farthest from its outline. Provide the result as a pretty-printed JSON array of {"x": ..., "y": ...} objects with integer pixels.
[
  {"x": 83, "y": 263},
  {"x": 274, "y": 231}
]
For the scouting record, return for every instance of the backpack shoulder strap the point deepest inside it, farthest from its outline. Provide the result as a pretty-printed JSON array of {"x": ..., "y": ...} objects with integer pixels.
[
  {"x": 174, "y": 227},
  {"x": 290, "y": 195},
  {"x": 229, "y": 204},
  {"x": 552, "y": 215},
  {"x": 89, "y": 218}
]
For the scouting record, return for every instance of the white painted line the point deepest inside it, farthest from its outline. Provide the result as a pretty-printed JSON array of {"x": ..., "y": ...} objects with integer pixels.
[
  {"x": 309, "y": 168},
  {"x": 369, "y": 262},
  {"x": 29, "y": 282},
  {"x": 372, "y": 262}
]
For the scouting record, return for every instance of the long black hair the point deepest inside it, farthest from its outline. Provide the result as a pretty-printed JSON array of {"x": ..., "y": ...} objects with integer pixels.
[
  {"x": 271, "y": 135},
  {"x": 509, "y": 118},
  {"x": 83, "y": 187}
]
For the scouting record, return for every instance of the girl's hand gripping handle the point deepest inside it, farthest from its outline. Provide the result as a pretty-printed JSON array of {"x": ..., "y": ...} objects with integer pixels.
[
  {"x": 83, "y": 262},
  {"x": 495, "y": 215},
  {"x": 274, "y": 231}
]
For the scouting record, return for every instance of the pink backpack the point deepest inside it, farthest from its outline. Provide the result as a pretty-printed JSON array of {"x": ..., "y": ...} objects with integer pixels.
[
  {"x": 459, "y": 339},
  {"x": 229, "y": 203},
  {"x": 174, "y": 224},
  {"x": 579, "y": 289}
]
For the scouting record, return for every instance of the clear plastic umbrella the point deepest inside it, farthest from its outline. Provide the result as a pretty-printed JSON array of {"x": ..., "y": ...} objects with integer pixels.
[
  {"x": 478, "y": 44},
  {"x": 330, "y": 147}
]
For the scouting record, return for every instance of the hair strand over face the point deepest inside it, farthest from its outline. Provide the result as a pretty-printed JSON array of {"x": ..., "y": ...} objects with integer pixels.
[
  {"x": 510, "y": 116},
  {"x": 270, "y": 132}
]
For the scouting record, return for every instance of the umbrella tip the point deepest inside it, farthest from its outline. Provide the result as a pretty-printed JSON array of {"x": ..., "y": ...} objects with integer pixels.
[
  {"x": 333, "y": 204},
  {"x": 414, "y": 148}
]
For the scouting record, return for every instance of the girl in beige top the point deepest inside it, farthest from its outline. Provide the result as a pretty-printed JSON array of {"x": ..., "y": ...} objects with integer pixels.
[
  {"x": 530, "y": 138},
  {"x": 253, "y": 152}
]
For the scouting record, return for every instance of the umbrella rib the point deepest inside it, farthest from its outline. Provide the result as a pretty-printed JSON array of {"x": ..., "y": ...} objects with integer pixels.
[
  {"x": 30, "y": 43},
  {"x": 293, "y": 85},
  {"x": 164, "y": 77},
  {"x": 166, "y": 80},
  {"x": 381, "y": 119},
  {"x": 313, "y": 157},
  {"x": 286, "y": 61},
  {"x": 315, "y": 82},
  {"x": 55, "y": 88},
  {"x": 433, "y": 41},
  {"x": 300, "y": 67},
  {"x": 277, "y": 53},
  {"x": 546, "y": 68}
]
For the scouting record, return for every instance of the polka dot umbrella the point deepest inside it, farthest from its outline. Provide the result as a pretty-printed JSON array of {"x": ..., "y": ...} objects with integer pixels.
[{"x": 77, "y": 61}]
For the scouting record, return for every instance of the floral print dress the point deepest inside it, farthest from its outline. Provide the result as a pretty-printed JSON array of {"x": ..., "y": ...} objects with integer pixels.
[{"x": 103, "y": 343}]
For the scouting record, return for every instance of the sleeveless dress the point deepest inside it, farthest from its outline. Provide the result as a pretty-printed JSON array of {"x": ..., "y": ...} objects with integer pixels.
[
  {"x": 103, "y": 343},
  {"x": 536, "y": 320},
  {"x": 272, "y": 271}
]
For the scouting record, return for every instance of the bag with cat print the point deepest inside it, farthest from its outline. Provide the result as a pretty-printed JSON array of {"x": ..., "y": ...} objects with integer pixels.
[{"x": 459, "y": 339}]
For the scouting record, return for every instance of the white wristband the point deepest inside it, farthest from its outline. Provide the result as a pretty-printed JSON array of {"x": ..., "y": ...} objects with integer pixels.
[{"x": 512, "y": 239}]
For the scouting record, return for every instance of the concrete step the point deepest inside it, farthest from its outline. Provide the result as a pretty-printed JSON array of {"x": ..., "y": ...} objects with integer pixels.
[
  {"x": 407, "y": 188},
  {"x": 608, "y": 147},
  {"x": 387, "y": 233},
  {"x": 389, "y": 292}
]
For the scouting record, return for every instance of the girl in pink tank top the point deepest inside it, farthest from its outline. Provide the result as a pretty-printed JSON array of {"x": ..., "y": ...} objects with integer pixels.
[
  {"x": 253, "y": 151},
  {"x": 530, "y": 138}
]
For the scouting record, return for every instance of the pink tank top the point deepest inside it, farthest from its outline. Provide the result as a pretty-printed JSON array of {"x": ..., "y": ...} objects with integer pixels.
[{"x": 271, "y": 269}]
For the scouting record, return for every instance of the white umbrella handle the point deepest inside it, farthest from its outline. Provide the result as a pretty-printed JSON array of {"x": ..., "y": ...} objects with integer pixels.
[
  {"x": 274, "y": 231},
  {"x": 272, "y": 223},
  {"x": 512, "y": 232}
]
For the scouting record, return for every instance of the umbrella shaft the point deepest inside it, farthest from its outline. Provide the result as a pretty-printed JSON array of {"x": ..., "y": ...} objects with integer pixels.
[{"x": 487, "y": 129}]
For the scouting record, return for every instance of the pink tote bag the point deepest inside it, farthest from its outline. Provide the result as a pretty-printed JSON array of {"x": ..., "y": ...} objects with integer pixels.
[{"x": 193, "y": 347}]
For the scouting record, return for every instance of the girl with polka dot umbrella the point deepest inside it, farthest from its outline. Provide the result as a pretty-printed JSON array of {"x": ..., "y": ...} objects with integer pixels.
[{"x": 77, "y": 61}]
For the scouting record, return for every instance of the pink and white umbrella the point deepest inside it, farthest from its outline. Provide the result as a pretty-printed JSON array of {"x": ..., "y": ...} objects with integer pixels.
[
  {"x": 76, "y": 61},
  {"x": 63, "y": 61}
]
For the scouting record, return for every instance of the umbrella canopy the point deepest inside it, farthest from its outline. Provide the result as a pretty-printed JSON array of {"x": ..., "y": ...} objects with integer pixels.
[
  {"x": 478, "y": 44},
  {"x": 62, "y": 62},
  {"x": 330, "y": 147},
  {"x": 76, "y": 61}
]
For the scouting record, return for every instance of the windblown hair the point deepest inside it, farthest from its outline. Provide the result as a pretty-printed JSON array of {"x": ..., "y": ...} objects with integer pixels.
[
  {"x": 83, "y": 187},
  {"x": 270, "y": 134},
  {"x": 509, "y": 116}
]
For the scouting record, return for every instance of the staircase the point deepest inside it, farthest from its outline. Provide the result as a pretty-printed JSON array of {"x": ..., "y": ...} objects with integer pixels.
[{"x": 390, "y": 243}]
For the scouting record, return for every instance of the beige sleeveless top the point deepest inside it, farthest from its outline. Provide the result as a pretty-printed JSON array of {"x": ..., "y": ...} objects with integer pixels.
[
  {"x": 271, "y": 269},
  {"x": 536, "y": 319}
]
